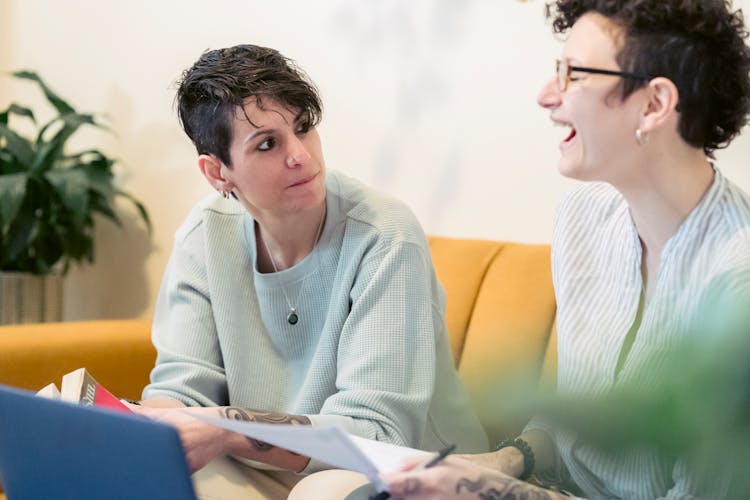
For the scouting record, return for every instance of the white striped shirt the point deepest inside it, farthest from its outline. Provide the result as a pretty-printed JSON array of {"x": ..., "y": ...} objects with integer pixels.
[{"x": 596, "y": 261}]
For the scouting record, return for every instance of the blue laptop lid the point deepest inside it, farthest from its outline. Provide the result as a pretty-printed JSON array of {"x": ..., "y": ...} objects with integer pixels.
[{"x": 52, "y": 449}]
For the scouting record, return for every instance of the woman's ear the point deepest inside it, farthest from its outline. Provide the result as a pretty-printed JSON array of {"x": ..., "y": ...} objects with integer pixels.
[
  {"x": 663, "y": 98},
  {"x": 211, "y": 168}
]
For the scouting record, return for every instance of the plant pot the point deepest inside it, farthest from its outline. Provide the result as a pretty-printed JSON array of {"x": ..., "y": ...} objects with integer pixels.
[{"x": 28, "y": 298}]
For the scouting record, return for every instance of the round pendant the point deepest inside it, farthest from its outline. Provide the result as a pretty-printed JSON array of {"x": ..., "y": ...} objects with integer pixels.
[{"x": 292, "y": 318}]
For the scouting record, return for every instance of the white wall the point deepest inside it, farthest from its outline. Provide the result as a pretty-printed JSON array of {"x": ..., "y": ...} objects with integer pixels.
[{"x": 432, "y": 101}]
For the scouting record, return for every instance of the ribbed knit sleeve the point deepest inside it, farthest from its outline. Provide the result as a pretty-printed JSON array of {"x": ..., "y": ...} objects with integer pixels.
[
  {"x": 386, "y": 354},
  {"x": 189, "y": 365}
]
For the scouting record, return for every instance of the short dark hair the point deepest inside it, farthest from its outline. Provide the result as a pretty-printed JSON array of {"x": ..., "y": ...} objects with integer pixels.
[
  {"x": 210, "y": 92},
  {"x": 698, "y": 44}
]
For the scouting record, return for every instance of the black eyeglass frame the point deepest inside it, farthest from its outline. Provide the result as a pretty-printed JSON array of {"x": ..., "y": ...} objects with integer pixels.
[{"x": 596, "y": 71}]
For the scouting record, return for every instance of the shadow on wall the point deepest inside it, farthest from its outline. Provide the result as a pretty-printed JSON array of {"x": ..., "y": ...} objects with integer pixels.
[
  {"x": 144, "y": 149},
  {"x": 118, "y": 284},
  {"x": 115, "y": 286}
]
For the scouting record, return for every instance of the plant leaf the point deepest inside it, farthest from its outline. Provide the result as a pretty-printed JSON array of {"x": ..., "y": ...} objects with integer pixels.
[
  {"x": 20, "y": 147},
  {"x": 12, "y": 193},
  {"x": 50, "y": 150},
  {"x": 60, "y": 105},
  {"x": 141, "y": 209},
  {"x": 21, "y": 234},
  {"x": 99, "y": 179},
  {"x": 101, "y": 205},
  {"x": 71, "y": 186},
  {"x": 18, "y": 110}
]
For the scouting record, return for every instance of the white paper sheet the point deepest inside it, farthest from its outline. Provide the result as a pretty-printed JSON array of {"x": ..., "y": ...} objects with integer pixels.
[{"x": 331, "y": 445}]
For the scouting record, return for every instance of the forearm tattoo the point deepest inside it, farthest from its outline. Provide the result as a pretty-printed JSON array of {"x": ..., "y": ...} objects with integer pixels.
[
  {"x": 265, "y": 417},
  {"x": 489, "y": 487}
]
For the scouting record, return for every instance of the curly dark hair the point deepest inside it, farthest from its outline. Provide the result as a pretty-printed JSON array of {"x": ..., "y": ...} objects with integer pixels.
[
  {"x": 214, "y": 89},
  {"x": 698, "y": 44}
]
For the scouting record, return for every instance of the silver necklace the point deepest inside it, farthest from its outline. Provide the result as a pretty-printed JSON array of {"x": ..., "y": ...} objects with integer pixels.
[{"x": 293, "y": 318}]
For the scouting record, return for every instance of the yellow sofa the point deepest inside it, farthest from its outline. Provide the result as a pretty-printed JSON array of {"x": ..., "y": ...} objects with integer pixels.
[{"x": 500, "y": 316}]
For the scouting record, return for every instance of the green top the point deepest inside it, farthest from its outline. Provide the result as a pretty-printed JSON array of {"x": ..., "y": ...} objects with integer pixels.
[{"x": 370, "y": 352}]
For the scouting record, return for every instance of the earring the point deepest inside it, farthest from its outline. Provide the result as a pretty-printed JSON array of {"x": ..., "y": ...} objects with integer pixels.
[
  {"x": 223, "y": 194},
  {"x": 641, "y": 137}
]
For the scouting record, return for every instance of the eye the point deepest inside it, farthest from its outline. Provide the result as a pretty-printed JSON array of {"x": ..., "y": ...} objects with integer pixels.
[
  {"x": 303, "y": 127},
  {"x": 267, "y": 144}
]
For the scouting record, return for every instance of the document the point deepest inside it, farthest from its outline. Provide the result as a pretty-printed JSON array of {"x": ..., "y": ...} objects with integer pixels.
[{"x": 330, "y": 445}]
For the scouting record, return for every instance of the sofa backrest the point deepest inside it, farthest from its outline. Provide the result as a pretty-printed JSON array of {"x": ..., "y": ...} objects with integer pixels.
[
  {"x": 118, "y": 353},
  {"x": 500, "y": 317}
]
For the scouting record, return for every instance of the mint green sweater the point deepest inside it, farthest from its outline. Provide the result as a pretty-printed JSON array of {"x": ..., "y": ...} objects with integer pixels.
[{"x": 370, "y": 352}]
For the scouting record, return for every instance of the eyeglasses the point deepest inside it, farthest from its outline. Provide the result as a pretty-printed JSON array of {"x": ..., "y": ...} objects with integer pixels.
[{"x": 563, "y": 70}]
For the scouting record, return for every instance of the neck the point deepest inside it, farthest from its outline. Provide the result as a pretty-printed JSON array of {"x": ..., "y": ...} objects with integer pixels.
[
  {"x": 665, "y": 189},
  {"x": 282, "y": 242}
]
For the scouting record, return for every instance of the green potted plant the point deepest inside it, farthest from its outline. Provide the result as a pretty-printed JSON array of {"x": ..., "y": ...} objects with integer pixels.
[{"x": 50, "y": 199}]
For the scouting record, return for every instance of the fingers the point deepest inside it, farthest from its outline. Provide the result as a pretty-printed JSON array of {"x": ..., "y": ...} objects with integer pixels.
[
  {"x": 412, "y": 463},
  {"x": 413, "y": 485},
  {"x": 130, "y": 405},
  {"x": 408, "y": 486}
]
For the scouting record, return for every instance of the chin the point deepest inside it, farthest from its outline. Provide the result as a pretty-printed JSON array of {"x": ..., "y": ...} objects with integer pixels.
[
  {"x": 569, "y": 169},
  {"x": 576, "y": 168}
]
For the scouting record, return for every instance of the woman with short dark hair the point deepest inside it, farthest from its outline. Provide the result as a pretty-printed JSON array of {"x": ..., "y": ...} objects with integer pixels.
[{"x": 294, "y": 295}]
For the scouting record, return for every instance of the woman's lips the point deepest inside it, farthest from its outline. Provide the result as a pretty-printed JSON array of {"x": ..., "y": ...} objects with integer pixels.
[
  {"x": 303, "y": 181},
  {"x": 566, "y": 143}
]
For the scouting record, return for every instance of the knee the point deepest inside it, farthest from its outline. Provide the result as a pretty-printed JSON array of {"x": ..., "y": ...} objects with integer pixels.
[{"x": 333, "y": 484}]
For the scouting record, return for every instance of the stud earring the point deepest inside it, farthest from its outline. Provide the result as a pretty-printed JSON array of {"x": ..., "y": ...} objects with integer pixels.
[{"x": 641, "y": 137}]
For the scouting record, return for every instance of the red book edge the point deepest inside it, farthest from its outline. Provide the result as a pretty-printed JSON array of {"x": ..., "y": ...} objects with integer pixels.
[{"x": 94, "y": 394}]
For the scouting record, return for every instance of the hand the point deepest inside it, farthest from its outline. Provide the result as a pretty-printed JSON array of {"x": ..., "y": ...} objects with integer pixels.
[
  {"x": 459, "y": 478},
  {"x": 202, "y": 442},
  {"x": 508, "y": 460}
]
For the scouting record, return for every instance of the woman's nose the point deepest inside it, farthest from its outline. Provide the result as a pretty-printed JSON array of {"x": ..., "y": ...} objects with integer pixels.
[
  {"x": 297, "y": 154},
  {"x": 549, "y": 95}
]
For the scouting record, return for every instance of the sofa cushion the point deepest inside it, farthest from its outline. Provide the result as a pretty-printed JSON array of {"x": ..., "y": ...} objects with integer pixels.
[
  {"x": 460, "y": 265},
  {"x": 118, "y": 353},
  {"x": 507, "y": 337}
]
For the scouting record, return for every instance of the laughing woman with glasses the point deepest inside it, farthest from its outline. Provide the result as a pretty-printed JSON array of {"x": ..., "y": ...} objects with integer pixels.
[{"x": 648, "y": 89}]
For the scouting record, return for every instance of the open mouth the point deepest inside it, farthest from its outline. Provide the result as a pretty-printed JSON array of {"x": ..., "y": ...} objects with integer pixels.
[{"x": 571, "y": 135}]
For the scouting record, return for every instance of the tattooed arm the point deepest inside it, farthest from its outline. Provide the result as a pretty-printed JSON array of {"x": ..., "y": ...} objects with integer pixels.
[
  {"x": 458, "y": 478},
  {"x": 510, "y": 460},
  {"x": 203, "y": 442},
  {"x": 265, "y": 452}
]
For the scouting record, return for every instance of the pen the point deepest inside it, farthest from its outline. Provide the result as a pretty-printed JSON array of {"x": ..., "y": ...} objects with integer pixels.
[{"x": 439, "y": 457}]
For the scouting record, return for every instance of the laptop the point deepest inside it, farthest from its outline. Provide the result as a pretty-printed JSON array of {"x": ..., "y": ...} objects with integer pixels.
[{"x": 57, "y": 450}]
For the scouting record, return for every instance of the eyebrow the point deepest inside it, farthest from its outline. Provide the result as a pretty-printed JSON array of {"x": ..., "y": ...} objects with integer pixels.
[
  {"x": 301, "y": 116},
  {"x": 571, "y": 60},
  {"x": 257, "y": 132}
]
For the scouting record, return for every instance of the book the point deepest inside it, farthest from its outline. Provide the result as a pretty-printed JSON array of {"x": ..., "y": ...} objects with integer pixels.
[
  {"x": 328, "y": 444},
  {"x": 49, "y": 391},
  {"x": 80, "y": 387}
]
